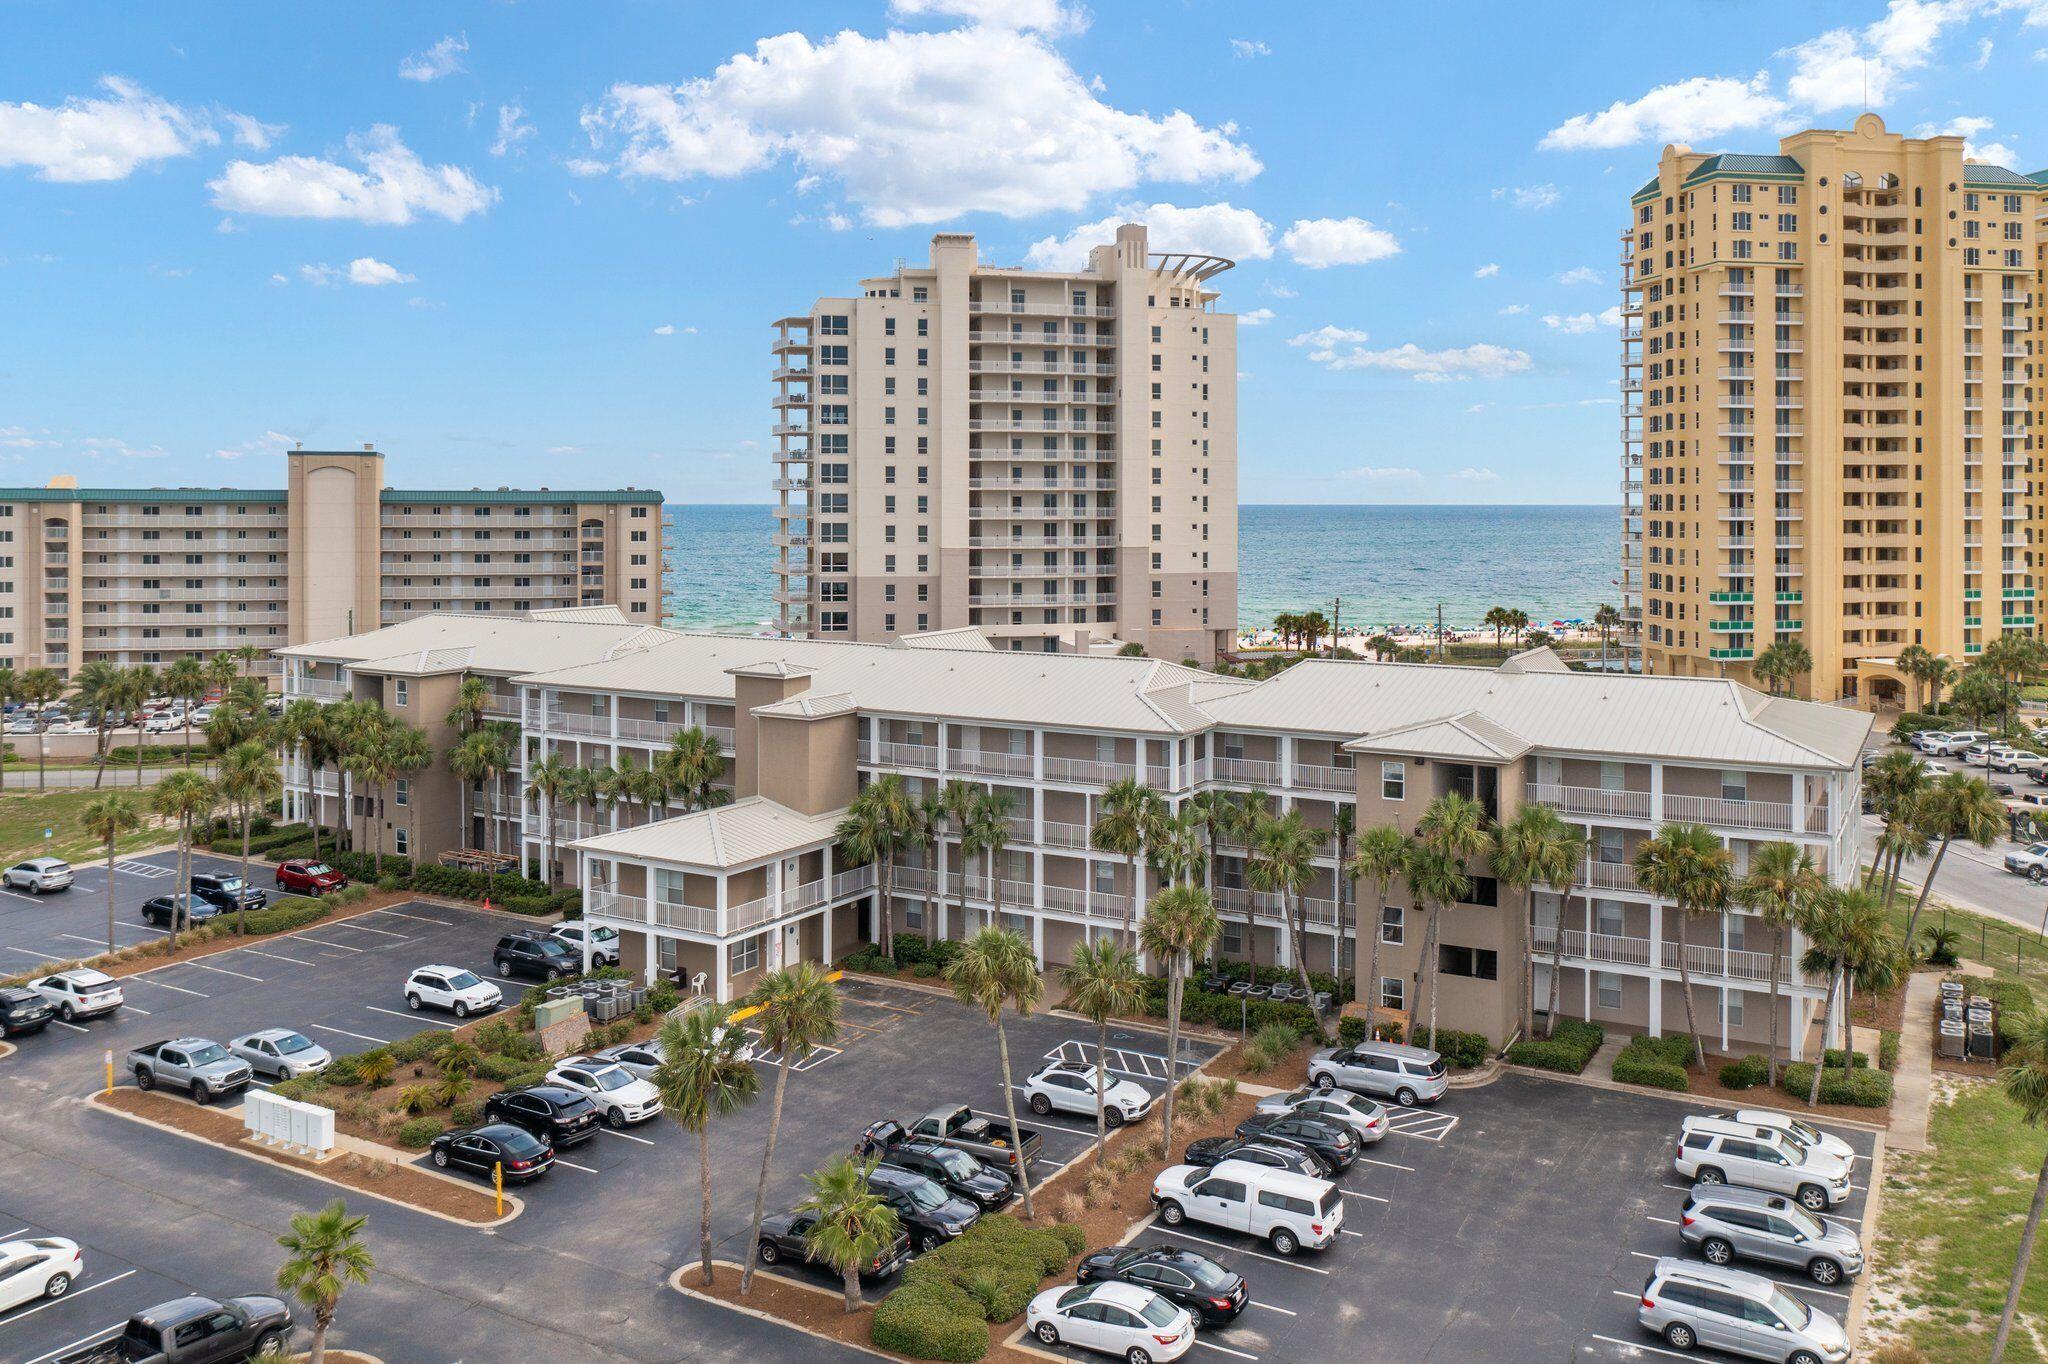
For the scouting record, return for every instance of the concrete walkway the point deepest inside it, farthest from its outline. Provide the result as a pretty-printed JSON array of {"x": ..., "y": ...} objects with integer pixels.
[
  {"x": 1602, "y": 1063},
  {"x": 1913, "y": 1081}
]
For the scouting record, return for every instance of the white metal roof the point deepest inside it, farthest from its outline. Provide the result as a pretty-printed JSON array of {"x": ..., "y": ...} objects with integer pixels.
[{"x": 746, "y": 831}]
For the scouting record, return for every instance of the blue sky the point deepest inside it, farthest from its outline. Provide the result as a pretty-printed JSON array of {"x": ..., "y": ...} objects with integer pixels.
[{"x": 541, "y": 242}]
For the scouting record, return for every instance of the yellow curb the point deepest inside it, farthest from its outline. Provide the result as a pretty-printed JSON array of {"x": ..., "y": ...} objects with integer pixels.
[
  {"x": 675, "y": 1281},
  {"x": 517, "y": 1204}
]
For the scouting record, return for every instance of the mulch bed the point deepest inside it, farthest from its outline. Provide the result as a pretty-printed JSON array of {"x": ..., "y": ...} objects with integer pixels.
[
  {"x": 224, "y": 1127},
  {"x": 819, "y": 1310},
  {"x": 1708, "y": 1085}
]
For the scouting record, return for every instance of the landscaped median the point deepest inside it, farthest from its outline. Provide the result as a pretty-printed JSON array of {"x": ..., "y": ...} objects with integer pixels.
[{"x": 391, "y": 872}]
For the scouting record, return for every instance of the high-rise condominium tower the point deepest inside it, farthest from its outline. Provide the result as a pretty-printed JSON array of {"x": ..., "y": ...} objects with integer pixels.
[
  {"x": 1048, "y": 457},
  {"x": 1832, "y": 365}
]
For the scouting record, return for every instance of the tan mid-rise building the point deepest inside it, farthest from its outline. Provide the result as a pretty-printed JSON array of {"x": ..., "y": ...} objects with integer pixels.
[
  {"x": 152, "y": 575},
  {"x": 1050, "y": 458},
  {"x": 1831, "y": 364}
]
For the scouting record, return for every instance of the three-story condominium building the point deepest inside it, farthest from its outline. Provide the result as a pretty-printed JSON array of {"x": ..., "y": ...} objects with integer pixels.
[
  {"x": 1831, "y": 359},
  {"x": 151, "y": 575},
  {"x": 1048, "y": 457},
  {"x": 805, "y": 724}
]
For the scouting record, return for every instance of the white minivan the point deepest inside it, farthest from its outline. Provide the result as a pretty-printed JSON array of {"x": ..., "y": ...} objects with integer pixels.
[{"x": 1286, "y": 1209}]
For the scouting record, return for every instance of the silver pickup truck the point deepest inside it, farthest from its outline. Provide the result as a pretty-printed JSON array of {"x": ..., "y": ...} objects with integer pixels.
[{"x": 202, "y": 1068}]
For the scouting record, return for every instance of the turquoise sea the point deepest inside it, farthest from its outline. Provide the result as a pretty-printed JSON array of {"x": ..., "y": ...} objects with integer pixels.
[{"x": 1391, "y": 565}]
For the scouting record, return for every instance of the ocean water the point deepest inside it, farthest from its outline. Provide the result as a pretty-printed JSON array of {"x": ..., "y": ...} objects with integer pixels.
[{"x": 1391, "y": 565}]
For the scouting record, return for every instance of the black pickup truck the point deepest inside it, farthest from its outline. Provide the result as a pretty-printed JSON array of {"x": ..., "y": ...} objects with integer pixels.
[
  {"x": 193, "y": 1331},
  {"x": 990, "y": 1142}
]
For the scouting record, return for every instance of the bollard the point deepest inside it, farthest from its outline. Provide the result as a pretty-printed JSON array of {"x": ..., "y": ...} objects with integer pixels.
[
  {"x": 498, "y": 1185},
  {"x": 110, "y": 1070}
]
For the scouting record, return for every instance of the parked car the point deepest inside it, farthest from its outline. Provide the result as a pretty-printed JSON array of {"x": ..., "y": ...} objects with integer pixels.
[
  {"x": 2017, "y": 760},
  {"x": 929, "y": 1214},
  {"x": 34, "y": 1270},
  {"x": 1206, "y": 1290},
  {"x": 280, "y": 1053},
  {"x": 1288, "y": 1210},
  {"x": 1954, "y": 741},
  {"x": 782, "y": 1238},
  {"x": 620, "y": 1096},
  {"x": 24, "y": 1011},
  {"x": 536, "y": 955},
  {"x": 1363, "y": 1118},
  {"x": 1714, "y": 1151},
  {"x": 80, "y": 993},
  {"x": 1114, "y": 1319},
  {"x": 1723, "y": 1222},
  {"x": 227, "y": 891},
  {"x": 1275, "y": 1152},
  {"x": 1332, "y": 1142},
  {"x": 2030, "y": 862},
  {"x": 308, "y": 876},
  {"x": 954, "y": 1171},
  {"x": 201, "y": 1067},
  {"x": 1799, "y": 1130},
  {"x": 558, "y": 1116},
  {"x": 988, "y": 1141},
  {"x": 639, "y": 1059},
  {"x": 1745, "y": 1314},
  {"x": 481, "y": 1149},
  {"x": 460, "y": 992},
  {"x": 1070, "y": 1087},
  {"x": 1979, "y": 754},
  {"x": 194, "y": 1330},
  {"x": 186, "y": 909},
  {"x": 603, "y": 938},
  {"x": 38, "y": 875},
  {"x": 1388, "y": 1070}
]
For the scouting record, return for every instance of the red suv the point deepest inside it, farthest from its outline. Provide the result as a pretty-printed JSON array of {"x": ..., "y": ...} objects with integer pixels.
[{"x": 308, "y": 876}]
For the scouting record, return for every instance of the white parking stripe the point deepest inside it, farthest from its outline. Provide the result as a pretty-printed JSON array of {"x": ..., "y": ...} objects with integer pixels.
[
  {"x": 359, "y": 1036},
  {"x": 166, "y": 985},
  {"x": 1663, "y": 1221},
  {"x": 365, "y": 928},
  {"x": 625, "y": 1136},
  {"x": 18, "y": 895},
  {"x": 1375, "y": 1198},
  {"x": 31, "y": 952},
  {"x": 73, "y": 1026},
  {"x": 275, "y": 956},
  {"x": 445, "y": 923},
  {"x": 75, "y": 1293},
  {"x": 1283, "y": 1311},
  {"x": 134, "y": 1009},
  {"x": 1224, "y": 1349},
  {"x": 1638, "y": 1345},
  {"x": 1165, "y": 1230},
  {"x": 16, "y": 1232},
  {"x": 339, "y": 947},
  {"x": 223, "y": 971},
  {"x": 574, "y": 1166},
  {"x": 1368, "y": 1160},
  {"x": 400, "y": 1013}
]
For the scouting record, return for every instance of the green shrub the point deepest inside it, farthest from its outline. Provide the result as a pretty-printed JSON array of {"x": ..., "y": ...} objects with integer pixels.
[
  {"x": 1351, "y": 1030},
  {"x": 924, "y": 970},
  {"x": 343, "y": 1070},
  {"x": 1551, "y": 1055},
  {"x": 1857, "y": 1060},
  {"x": 1644, "y": 1070},
  {"x": 1888, "y": 1050},
  {"x": 468, "y": 1113},
  {"x": 419, "y": 1047},
  {"x": 663, "y": 996},
  {"x": 931, "y": 1317},
  {"x": 1674, "y": 1049},
  {"x": 417, "y": 1132},
  {"x": 1745, "y": 1072},
  {"x": 1856, "y": 1088},
  {"x": 1460, "y": 1050}
]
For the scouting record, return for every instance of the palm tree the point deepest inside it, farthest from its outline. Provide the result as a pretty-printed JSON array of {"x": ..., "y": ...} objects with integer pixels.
[
  {"x": 1383, "y": 853},
  {"x": 9, "y": 691},
  {"x": 408, "y": 753},
  {"x": 797, "y": 1011},
  {"x": 1103, "y": 982},
  {"x": 472, "y": 699},
  {"x": 1497, "y": 619},
  {"x": 1344, "y": 828},
  {"x": 139, "y": 686},
  {"x": 852, "y": 1225},
  {"x": 185, "y": 681},
  {"x": 1212, "y": 811},
  {"x": 994, "y": 970},
  {"x": 469, "y": 761},
  {"x": 248, "y": 778},
  {"x": 106, "y": 818},
  {"x": 1913, "y": 661},
  {"x": 1848, "y": 941},
  {"x": 1283, "y": 853},
  {"x": 324, "y": 1255},
  {"x": 545, "y": 779},
  {"x": 94, "y": 687},
  {"x": 1687, "y": 865},
  {"x": 987, "y": 831},
  {"x": 1176, "y": 850},
  {"x": 1782, "y": 881},
  {"x": 704, "y": 1074},
  {"x": 1123, "y": 825},
  {"x": 221, "y": 671},
  {"x": 38, "y": 687},
  {"x": 1179, "y": 926},
  {"x": 366, "y": 766},
  {"x": 927, "y": 828},
  {"x": 957, "y": 798},
  {"x": 501, "y": 753},
  {"x": 1536, "y": 848},
  {"x": 1893, "y": 783},
  {"x": 1606, "y": 620},
  {"x": 872, "y": 830},
  {"x": 1937, "y": 673},
  {"x": 184, "y": 797},
  {"x": 696, "y": 762},
  {"x": 1452, "y": 831},
  {"x": 2024, "y": 1078},
  {"x": 1954, "y": 806}
]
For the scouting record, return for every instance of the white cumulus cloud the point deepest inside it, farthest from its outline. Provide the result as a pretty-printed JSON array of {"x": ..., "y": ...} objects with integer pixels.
[
  {"x": 1249, "y": 47},
  {"x": 321, "y": 276},
  {"x": 371, "y": 272},
  {"x": 1216, "y": 229},
  {"x": 1530, "y": 196},
  {"x": 442, "y": 59},
  {"x": 1573, "y": 325},
  {"x": 393, "y": 187},
  {"x": 1340, "y": 348},
  {"x": 1319, "y": 243},
  {"x": 1381, "y": 474},
  {"x": 1487, "y": 271},
  {"x": 1514, "y": 309},
  {"x": 910, "y": 125},
  {"x": 1975, "y": 148},
  {"x": 1257, "y": 317},
  {"x": 1695, "y": 110},
  {"x": 105, "y": 137},
  {"x": 513, "y": 129},
  {"x": 1580, "y": 274},
  {"x": 1468, "y": 474}
]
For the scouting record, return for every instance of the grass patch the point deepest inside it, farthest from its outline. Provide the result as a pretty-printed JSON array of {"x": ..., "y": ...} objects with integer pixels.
[
  {"x": 25, "y": 814},
  {"x": 1952, "y": 1218}
]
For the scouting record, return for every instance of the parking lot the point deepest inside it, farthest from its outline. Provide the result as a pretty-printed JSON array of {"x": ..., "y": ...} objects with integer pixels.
[
  {"x": 1523, "y": 1231},
  {"x": 68, "y": 924}
]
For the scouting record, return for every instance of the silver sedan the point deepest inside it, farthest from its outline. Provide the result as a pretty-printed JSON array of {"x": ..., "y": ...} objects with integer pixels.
[{"x": 1366, "y": 1120}]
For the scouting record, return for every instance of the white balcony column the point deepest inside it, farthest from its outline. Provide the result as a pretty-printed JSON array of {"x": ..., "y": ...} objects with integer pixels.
[
  {"x": 1037, "y": 757},
  {"x": 719, "y": 961},
  {"x": 940, "y": 761},
  {"x": 1286, "y": 761},
  {"x": 1656, "y": 961},
  {"x": 718, "y": 905},
  {"x": 1038, "y": 939},
  {"x": 1037, "y": 881},
  {"x": 1656, "y": 794}
]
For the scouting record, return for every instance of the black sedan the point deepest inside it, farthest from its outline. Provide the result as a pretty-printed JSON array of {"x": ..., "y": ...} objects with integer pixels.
[
  {"x": 1211, "y": 1293},
  {"x": 1275, "y": 1153},
  {"x": 23, "y": 1011},
  {"x": 187, "y": 909},
  {"x": 480, "y": 1149},
  {"x": 954, "y": 1171},
  {"x": 782, "y": 1238},
  {"x": 560, "y": 1117},
  {"x": 1333, "y": 1145}
]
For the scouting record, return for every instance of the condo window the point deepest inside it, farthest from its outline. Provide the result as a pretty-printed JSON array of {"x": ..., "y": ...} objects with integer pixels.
[
  {"x": 1393, "y": 992},
  {"x": 1393, "y": 925},
  {"x": 745, "y": 955},
  {"x": 1733, "y": 1000},
  {"x": 1478, "y": 963},
  {"x": 1393, "y": 781},
  {"x": 1607, "y": 990}
]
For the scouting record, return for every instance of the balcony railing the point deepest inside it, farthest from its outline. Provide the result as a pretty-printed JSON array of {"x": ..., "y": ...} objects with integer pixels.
[
  {"x": 1700, "y": 959},
  {"x": 925, "y": 756},
  {"x": 1592, "y": 800},
  {"x": 1245, "y": 771},
  {"x": 1746, "y": 814},
  {"x": 1087, "y": 771},
  {"x": 993, "y": 764},
  {"x": 1316, "y": 910}
]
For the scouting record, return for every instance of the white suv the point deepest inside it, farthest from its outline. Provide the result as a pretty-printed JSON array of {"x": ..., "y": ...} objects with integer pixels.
[
  {"x": 80, "y": 993},
  {"x": 1716, "y": 1151},
  {"x": 2017, "y": 760},
  {"x": 618, "y": 1093},
  {"x": 1279, "y": 1206},
  {"x": 604, "y": 941},
  {"x": 1070, "y": 1086},
  {"x": 460, "y": 991},
  {"x": 38, "y": 874},
  {"x": 1955, "y": 741}
]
